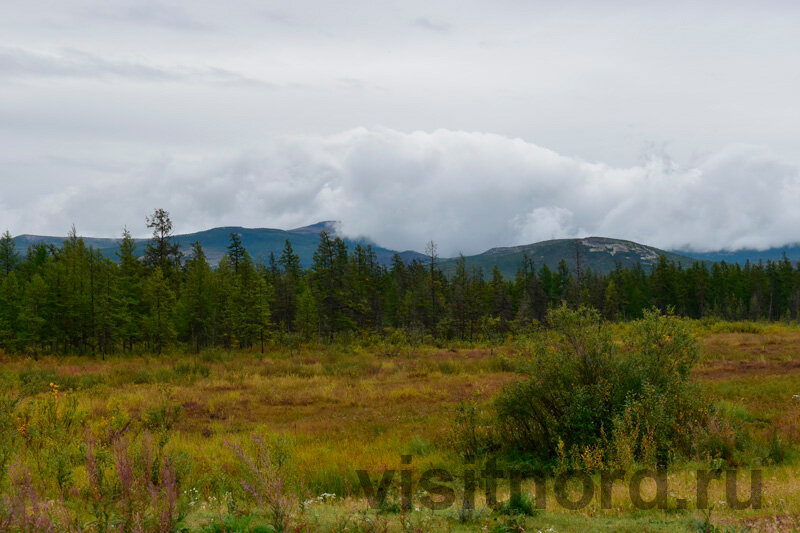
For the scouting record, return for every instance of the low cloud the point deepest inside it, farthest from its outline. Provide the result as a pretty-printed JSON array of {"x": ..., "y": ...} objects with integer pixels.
[{"x": 467, "y": 191}]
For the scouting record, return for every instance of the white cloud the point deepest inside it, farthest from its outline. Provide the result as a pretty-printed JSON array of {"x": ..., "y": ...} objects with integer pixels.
[
  {"x": 232, "y": 113},
  {"x": 17, "y": 63},
  {"x": 467, "y": 191}
]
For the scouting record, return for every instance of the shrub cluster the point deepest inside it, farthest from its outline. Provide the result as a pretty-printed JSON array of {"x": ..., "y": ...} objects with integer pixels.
[{"x": 591, "y": 400}]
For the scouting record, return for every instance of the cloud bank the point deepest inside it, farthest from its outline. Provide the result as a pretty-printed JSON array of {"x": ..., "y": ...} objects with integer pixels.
[{"x": 467, "y": 191}]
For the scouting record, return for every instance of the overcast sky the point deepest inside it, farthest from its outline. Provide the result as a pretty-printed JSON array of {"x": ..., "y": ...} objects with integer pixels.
[{"x": 476, "y": 124}]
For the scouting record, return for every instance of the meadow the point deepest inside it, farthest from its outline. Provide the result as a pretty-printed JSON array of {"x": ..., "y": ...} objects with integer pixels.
[{"x": 248, "y": 441}]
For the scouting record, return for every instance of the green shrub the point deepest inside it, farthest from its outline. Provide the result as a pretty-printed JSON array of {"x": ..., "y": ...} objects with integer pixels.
[
  {"x": 473, "y": 432},
  {"x": 510, "y": 524},
  {"x": 777, "y": 451},
  {"x": 519, "y": 503},
  {"x": 162, "y": 418},
  {"x": 588, "y": 400}
]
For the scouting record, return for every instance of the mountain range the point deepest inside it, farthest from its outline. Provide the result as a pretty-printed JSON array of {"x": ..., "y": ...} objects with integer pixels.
[
  {"x": 259, "y": 242},
  {"x": 601, "y": 254}
]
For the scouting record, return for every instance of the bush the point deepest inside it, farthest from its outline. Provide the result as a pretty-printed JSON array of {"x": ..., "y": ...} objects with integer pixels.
[
  {"x": 519, "y": 503},
  {"x": 720, "y": 443},
  {"x": 589, "y": 401},
  {"x": 472, "y": 432}
]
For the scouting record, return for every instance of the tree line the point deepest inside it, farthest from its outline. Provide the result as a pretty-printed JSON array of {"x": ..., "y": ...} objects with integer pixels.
[{"x": 72, "y": 299}]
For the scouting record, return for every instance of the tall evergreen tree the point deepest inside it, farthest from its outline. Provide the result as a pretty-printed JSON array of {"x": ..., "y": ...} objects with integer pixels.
[
  {"x": 160, "y": 301},
  {"x": 197, "y": 298},
  {"x": 236, "y": 251},
  {"x": 130, "y": 279},
  {"x": 162, "y": 251},
  {"x": 9, "y": 257}
]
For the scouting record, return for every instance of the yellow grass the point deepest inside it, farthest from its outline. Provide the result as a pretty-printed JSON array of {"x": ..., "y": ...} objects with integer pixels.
[{"x": 361, "y": 410}]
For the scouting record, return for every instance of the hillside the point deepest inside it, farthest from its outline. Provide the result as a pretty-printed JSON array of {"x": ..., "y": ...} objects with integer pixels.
[
  {"x": 257, "y": 241},
  {"x": 601, "y": 254},
  {"x": 748, "y": 254}
]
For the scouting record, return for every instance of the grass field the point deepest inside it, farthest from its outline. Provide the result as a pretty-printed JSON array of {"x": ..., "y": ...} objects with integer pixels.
[{"x": 327, "y": 413}]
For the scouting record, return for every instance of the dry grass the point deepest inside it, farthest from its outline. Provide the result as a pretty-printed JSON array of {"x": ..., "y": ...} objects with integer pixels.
[{"x": 341, "y": 410}]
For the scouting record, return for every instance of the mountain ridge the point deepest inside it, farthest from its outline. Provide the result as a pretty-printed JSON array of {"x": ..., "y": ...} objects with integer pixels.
[
  {"x": 259, "y": 242},
  {"x": 600, "y": 254}
]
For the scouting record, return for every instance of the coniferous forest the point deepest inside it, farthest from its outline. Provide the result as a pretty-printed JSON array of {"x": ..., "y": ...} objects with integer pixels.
[{"x": 72, "y": 299}]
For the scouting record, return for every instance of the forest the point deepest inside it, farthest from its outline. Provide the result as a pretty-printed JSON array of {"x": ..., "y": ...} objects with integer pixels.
[
  {"x": 72, "y": 299},
  {"x": 159, "y": 392}
]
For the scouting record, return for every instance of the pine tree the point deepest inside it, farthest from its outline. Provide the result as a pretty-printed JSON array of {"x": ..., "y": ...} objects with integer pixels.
[
  {"x": 160, "y": 301},
  {"x": 613, "y": 301},
  {"x": 108, "y": 305},
  {"x": 32, "y": 317},
  {"x": 129, "y": 282},
  {"x": 259, "y": 313},
  {"x": 74, "y": 318},
  {"x": 500, "y": 299},
  {"x": 9, "y": 257},
  {"x": 327, "y": 285},
  {"x": 290, "y": 261},
  {"x": 197, "y": 298},
  {"x": 10, "y": 299},
  {"x": 286, "y": 287},
  {"x": 236, "y": 251},
  {"x": 162, "y": 251},
  {"x": 308, "y": 322}
]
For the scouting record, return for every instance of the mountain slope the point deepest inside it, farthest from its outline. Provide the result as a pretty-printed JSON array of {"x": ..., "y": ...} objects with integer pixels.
[
  {"x": 748, "y": 254},
  {"x": 600, "y": 254},
  {"x": 257, "y": 241}
]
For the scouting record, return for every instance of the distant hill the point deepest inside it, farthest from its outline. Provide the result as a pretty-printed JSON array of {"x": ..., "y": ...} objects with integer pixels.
[
  {"x": 601, "y": 254},
  {"x": 748, "y": 254},
  {"x": 598, "y": 253},
  {"x": 257, "y": 241}
]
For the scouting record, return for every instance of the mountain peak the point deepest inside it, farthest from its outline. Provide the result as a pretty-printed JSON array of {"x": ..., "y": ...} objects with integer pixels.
[{"x": 317, "y": 228}]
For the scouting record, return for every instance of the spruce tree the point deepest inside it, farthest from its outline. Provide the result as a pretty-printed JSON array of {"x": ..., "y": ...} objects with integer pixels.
[
  {"x": 236, "y": 251},
  {"x": 9, "y": 257},
  {"x": 162, "y": 251},
  {"x": 197, "y": 298},
  {"x": 129, "y": 282},
  {"x": 160, "y": 301}
]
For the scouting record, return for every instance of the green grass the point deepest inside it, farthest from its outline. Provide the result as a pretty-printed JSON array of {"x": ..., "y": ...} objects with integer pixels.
[{"x": 340, "y": 410}]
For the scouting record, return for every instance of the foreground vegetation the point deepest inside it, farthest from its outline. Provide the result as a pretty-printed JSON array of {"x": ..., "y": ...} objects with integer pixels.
[{"x": 245, "y": 441}]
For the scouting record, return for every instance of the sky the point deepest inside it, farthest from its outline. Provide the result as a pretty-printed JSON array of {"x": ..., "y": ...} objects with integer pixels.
[{"x": 473, "y": 124}]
